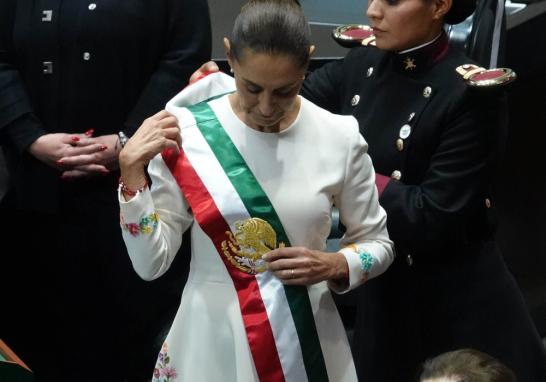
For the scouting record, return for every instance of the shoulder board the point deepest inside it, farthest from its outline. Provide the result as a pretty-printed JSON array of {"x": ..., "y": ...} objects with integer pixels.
[
  {"x": 479, "y": 77},
  {"x": 350, "y": 36}
]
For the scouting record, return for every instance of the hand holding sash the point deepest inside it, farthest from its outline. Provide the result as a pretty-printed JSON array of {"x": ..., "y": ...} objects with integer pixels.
[
  {"x": 157, "y": 133},
  {"x": 207, "y": 68},
  {"x": 303, "y": 266}
]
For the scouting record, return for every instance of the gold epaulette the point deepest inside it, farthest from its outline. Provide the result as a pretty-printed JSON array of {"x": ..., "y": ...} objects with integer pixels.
[
  {"x": 479, "y": 77},
  {"x": 353, "y": 35}
]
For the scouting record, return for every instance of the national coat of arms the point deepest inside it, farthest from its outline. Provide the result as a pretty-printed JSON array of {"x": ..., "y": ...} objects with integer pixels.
[{"x": 253, "y": 238}]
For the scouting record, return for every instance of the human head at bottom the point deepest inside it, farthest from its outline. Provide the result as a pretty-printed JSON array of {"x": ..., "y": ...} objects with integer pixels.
[
  {"x": 465, "y": 365},
  {"x": 269, "y": 50}
]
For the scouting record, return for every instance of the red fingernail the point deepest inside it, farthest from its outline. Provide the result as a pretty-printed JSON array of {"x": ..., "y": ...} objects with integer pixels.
[
  {"x": 60, "y": 161},
  {"x": 75, "y": 139},
  {"x": 89, "y": 132},
  {"x": 103, "y": 147}
]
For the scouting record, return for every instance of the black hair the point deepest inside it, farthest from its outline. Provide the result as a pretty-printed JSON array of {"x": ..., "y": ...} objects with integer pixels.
[
  {"x": 467, "y": 365},
  {"x": 460, "y": 10},
  {"x": 274, "y": 27}
]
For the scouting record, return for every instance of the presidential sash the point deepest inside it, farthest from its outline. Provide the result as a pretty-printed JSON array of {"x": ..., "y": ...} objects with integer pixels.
[{"x": 233, "y": 210}]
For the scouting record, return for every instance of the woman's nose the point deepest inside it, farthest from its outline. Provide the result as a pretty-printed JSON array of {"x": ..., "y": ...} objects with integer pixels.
[
  {"x": 266, "y": 105},
  {"x": 373, "y": 11}
]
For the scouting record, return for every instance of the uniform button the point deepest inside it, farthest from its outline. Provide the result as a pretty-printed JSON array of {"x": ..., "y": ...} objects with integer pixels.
[
  {"x": 409, "y": 260},
  {"x": 86, "y": 56},
  {"x": 411, "y": 116},
  {"x": 396, "y": 175},
  {"x": 487, "y": 203},
  {"x": 355, "y": 100},
  {"x": 47, "y": 67},
  {"x": 405, "y": 131},
  {"x": 92, "y": 6},
  {"x": 47, "y": 15},
  {"x": 400, "y": 144},
  {"x": 369, "y": 72},
  {"x": 427, "y": 92}
]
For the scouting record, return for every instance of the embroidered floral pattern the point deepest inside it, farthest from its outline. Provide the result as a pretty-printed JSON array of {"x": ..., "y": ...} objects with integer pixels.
[
  {"x": 163, "y": 372},
  {"x": 366, "y": 260},
  {"x": 146, "y": 225}
]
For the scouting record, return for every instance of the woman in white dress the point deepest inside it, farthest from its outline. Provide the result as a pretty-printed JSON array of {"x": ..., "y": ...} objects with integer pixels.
[{"x": 257, "y": 171}]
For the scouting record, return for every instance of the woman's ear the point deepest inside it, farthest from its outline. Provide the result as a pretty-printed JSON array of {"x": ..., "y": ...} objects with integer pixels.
[
  {"x": 227, "y": 50},
  {"x": 441, "y": 7},
  {"x": 311, "y": 50}
]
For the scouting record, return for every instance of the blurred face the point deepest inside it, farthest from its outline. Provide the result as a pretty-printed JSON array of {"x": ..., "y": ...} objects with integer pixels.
[
  {"x": 267, "y": 89},
  {"x": 404, "y": 24}
]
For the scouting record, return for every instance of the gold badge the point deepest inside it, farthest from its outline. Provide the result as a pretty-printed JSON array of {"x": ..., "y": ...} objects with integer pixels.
[
  {"x": 253, "y": 238},
  {"x": 410, "y": 63}
]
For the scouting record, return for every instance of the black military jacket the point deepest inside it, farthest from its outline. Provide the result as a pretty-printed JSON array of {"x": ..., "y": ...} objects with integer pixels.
[
  {"x": 435, "y": 138},
  {"x": 70, "y": 66},
  {"x": 427, "y": 130}
]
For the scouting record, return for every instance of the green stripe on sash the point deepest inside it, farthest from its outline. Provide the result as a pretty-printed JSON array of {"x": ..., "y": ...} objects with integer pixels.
[{"x": 259, "y": 205}]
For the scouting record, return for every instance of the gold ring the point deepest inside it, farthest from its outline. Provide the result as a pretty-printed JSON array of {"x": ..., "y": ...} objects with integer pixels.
[{"x": 292, "y": 273}]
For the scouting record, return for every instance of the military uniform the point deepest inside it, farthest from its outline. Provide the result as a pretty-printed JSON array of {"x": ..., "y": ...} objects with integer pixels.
[
  {"x": 70, "y": 66},
  {"x": 433, "y": 140}
]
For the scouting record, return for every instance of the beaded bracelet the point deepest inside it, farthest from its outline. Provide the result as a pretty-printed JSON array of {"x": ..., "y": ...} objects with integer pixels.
[{"x": 126, "y": 190}]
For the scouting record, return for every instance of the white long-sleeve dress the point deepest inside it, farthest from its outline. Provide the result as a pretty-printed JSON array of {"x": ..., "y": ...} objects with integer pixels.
[{"x": 320, "y": 160}]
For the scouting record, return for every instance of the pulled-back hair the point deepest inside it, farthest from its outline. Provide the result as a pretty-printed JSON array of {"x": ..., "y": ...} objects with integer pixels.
[
  {"x": 466, "y": 365},
  {"x": 273, "y": 27}
]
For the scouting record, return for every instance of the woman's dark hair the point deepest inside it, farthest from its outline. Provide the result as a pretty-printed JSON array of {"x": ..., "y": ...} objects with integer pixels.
[
  {"x": 274, "y": 27},
  {"x": 460, "y": 10},
  {"x": 466, "y": 365}
]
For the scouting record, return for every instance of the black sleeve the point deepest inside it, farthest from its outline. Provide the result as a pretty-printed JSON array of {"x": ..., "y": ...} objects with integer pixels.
[
  {"x": 432, "y": 214},
  {"x": 322, "y": 86},
  {"x": 16, "y": 113},
  {"x": 188, "y": 48}
]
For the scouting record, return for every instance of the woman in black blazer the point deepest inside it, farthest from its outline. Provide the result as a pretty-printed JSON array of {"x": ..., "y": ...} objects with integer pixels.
[{"x": 69, "y": 67}]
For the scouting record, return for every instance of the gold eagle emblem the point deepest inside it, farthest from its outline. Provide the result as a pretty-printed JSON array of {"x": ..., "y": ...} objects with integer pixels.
[{"x": 253, "y": 238}]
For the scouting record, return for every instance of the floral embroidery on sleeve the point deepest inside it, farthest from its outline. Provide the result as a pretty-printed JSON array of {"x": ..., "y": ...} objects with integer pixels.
[
  {"x": 366, "y": 260},
  {"x": 163, "y": 372},
  {"x": 146, "y": 225}
]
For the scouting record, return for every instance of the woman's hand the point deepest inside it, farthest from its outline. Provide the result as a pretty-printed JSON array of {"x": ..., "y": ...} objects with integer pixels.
[
  {"x": 302, "y": 266},
  {"x": 206, "y": 68},
  {"x": 99, "y": 157},
  {"x": 157, "y": 133},
  {"x": 52, "y": 149}
]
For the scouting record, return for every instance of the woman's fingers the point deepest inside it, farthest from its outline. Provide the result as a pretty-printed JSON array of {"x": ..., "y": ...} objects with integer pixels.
[
  {"x": 167, "y": 123},
  {"x": 160, "y": 115},
  {"x": 80, "y": 160},
  {"x": 206, "y": 68},
  {"x": 85, "y": 150},
  {"x": 85, "y": 171}
]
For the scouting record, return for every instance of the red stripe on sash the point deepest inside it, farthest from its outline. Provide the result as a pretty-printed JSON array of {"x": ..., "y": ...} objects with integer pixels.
[{"x": 206, "y": 213}]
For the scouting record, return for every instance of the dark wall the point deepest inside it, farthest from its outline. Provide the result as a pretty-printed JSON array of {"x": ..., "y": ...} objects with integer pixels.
[{"x": 521, "y": 186}]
